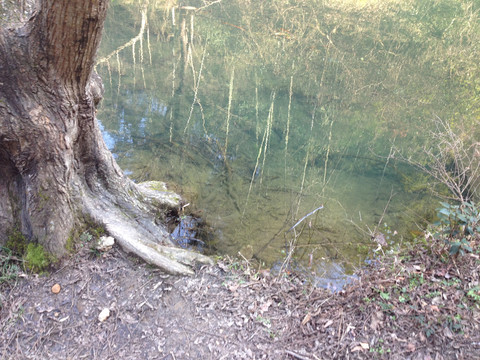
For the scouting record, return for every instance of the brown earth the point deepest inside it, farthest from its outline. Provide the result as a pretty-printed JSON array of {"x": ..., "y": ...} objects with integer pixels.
[{"x": 407, "y": 306}]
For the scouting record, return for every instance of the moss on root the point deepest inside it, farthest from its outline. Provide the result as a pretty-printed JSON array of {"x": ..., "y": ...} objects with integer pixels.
[
  {"x": 37, "y": 259},
  {"x": 16, "y": 242}
]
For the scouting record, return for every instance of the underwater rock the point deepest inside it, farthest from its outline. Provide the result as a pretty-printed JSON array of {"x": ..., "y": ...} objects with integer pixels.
[{"x": 185, "y": 233}]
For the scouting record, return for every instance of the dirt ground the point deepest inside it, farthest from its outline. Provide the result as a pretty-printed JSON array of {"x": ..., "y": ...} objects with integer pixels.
[{"x": 401, "y": 308}]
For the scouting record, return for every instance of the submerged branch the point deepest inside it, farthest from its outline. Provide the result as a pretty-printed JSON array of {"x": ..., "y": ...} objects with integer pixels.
[{"x": 303, "y": 218}]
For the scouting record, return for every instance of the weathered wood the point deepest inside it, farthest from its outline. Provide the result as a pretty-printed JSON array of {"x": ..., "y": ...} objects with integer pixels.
[{"x": 55, "y": 167}]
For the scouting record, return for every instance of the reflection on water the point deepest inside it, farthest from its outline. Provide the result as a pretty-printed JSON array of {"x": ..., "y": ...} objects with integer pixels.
[
  {"x": 107, "y": 137},
  {"x": 259, "y": 128},
  {"x": 332, "y": 276}
]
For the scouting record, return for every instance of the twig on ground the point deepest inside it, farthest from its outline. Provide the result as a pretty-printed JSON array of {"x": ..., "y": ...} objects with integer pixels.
[{"x": 296, "y": 355}]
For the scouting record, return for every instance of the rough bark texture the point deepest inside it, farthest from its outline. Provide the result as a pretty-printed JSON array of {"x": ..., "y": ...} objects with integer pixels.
[{"x": 54, "y": 165}]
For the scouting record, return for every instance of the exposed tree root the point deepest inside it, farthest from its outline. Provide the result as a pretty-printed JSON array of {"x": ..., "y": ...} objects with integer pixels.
[{"x": 136, "y": 232}]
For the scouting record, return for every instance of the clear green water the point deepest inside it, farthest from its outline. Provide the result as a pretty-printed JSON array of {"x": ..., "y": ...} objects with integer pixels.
[{"x": 259, "y": 114}]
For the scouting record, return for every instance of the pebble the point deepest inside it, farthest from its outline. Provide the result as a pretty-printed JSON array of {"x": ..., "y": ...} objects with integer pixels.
[{"x": 104, "y": 314}]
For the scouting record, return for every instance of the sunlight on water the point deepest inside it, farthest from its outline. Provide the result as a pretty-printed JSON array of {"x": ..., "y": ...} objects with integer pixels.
[{"x": 257, "y": 129}]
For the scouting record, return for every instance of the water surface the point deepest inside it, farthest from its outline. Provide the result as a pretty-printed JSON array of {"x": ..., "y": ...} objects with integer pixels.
[{"x": 260, "y": 114}]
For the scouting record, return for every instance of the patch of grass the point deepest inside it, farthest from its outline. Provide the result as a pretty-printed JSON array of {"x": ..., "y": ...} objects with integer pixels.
[{"x": 9, "y": 265}]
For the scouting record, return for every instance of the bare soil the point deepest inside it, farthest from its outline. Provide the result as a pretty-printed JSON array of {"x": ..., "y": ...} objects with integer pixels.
[{"x": 413, "y": 306}]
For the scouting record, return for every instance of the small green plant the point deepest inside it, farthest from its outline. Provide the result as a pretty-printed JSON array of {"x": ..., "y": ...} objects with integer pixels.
[
  {"x": 272, "y": 334},
  {"x": 404, "y": 296},
  {"x": 452, "y": 282},
  {"x": 474, "y": 294},
  {"x": 428, "y": 328},
  {"x": 86, "y": 237},
  {"x": 457, "y": 223},
  {"x": 379, "y": 348},
  {"x": 416, "y": 280},
  {"x": 263, "y": 320},
  {"x": 90, "y": 240},
  {"x": 385, "y": 296},
  {"x": 385, "y": 306},
  {"x": 367, "y": 300},
  {"x": 429, "y": 331},
  {"x": 454, "y": 323},
  {"x": 433, "y": 294}
]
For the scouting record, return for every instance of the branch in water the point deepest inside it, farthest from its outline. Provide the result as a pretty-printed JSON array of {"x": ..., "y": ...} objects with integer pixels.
[{"x": 303, "y": 218}]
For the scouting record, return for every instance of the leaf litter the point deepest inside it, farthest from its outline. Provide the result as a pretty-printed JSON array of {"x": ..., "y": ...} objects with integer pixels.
[{"x": 410, "y": 305}]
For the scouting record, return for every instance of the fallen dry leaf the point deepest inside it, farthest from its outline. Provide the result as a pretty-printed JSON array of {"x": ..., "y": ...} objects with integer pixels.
[
  {"x": 56, "y": 288},
  {"x": 377, "y": 320},
  {"x": 422, "y": 337},
  {"x": 264, "y": 307},
  {"x": 233, "y": 287},
  {"x": 306, "y": 319},
  {"x": 349, "y": 327},
  {"x": 328, "y": 323},
  {"x": 447, "y": 332},
  {"x": 360, "y": 347},
  {"x": 396, "y": 338},
  {"x": 411, "y": 347}
]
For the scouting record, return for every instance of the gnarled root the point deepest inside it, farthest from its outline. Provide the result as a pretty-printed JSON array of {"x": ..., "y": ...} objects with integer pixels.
[{"x": 139, "y": 234}]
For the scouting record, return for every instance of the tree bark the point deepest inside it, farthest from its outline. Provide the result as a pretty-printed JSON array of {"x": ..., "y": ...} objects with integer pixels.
[{"x": 55, "y": 169}]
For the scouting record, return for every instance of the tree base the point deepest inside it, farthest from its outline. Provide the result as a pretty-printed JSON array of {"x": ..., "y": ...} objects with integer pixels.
[{"x": 138, "y": 233}]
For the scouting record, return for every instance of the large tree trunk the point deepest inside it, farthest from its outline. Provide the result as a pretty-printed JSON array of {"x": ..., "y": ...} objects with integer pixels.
[{"x": 54, "y": 166}]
